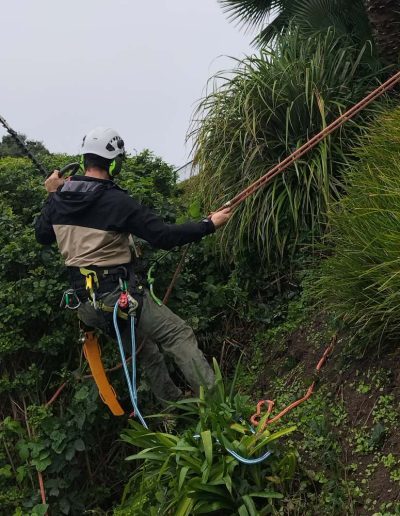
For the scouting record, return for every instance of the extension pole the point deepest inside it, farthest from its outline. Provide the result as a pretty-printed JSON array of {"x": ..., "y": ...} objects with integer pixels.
[
  {"x": 22, "y": 145},
  {"x": 71, "y": 167}
]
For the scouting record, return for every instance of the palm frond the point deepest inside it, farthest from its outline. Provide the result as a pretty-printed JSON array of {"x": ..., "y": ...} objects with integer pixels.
[
  {"x": 252, "y": 13},
  {"x": 310, "y": 16}
]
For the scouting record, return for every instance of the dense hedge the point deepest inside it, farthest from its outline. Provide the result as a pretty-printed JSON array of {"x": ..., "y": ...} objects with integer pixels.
[{"x": 74, "y": 442}]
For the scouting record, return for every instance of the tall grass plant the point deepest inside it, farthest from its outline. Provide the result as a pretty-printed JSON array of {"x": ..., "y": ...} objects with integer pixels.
[
  {"x": 360, "y": 281},
  {"x": 266, "y": 108}
]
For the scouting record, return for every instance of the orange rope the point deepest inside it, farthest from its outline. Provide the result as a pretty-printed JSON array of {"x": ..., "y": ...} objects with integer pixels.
[{"x": 255, "y": 418}]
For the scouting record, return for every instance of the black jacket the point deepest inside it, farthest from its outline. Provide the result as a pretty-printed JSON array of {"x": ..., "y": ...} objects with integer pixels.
[{"x": 91, "y": 219}]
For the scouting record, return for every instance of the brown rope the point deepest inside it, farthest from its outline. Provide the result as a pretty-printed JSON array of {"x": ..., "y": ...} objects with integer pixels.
[
  {"x": 310, "y": 144},
  {"x": 176, "y": 274}
]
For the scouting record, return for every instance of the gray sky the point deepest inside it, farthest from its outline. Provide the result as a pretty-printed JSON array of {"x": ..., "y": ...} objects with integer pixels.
[{"x": 136, "y": 66}]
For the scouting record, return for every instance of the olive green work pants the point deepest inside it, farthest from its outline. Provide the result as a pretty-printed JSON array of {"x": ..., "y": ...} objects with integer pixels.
[{"x": 162, "y": 332}]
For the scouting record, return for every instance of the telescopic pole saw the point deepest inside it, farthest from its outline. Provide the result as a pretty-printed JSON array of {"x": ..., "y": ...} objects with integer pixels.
[{"x": 71, "y": 167}]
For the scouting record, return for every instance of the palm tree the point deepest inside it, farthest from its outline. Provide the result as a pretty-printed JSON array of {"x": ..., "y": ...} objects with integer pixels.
[
  {"x": 355, "y": 18},
  {"x": 384, "y": 17}
]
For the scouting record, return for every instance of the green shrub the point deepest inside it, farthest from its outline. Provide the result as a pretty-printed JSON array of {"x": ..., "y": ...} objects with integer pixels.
[
  {"x": 191, "y": 472},
  {"x": 360, "y": 282},
  {"x": 73, "y": 442}
]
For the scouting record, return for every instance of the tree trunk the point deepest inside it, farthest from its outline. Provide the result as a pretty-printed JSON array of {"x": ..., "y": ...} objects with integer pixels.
[{"x": 384, "y": 16}]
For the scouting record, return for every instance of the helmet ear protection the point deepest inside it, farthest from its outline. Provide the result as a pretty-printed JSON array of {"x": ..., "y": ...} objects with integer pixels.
[
  {"x": 114, "y": 168},
  {"x": 82, "y": 164},
  {"x": 116, "y": 165}
]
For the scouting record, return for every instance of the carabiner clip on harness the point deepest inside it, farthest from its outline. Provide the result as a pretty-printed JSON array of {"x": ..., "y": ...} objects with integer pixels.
[
  {"x": 92, "y": 282},
  {"x": 150, "y": 282},
  {"x": 70, "y": 300}
]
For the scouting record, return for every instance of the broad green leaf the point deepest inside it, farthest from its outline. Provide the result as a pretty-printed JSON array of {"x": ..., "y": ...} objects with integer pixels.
[
  {"x": 242, "y": 511},
  {"x": 240, "y": 428},
  {"x": 219, "y": 382},
  {"x": 267, "y": 494},
  {"x": 185, "y": 507},
  {"x": 5, "y": 471},
  {"x": 250, "y": 505},
  {"x": 40, "y": 509},
  {"x": 272, "y": 437},
  {"x": 206, "y": 507},
  {"x": 228, "y": 482},
  {"x": 147, "y": 456},
  {"x": 23, "y": 450},
  {"x": 195, "y": 209},
  {"x": 195, "y": 484},
  {"x": 182, "y": 476},
  {"x": 208, "y": 446}
]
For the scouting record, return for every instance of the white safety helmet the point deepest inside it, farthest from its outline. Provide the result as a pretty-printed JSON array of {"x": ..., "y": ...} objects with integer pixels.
[{"x": 104, "y": 142}]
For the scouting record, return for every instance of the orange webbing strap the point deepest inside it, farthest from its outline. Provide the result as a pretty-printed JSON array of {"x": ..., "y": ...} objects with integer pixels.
[{"x": 91, "y": 350}]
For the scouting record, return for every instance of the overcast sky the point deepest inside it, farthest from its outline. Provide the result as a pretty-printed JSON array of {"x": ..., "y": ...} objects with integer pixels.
[{"x": 136, "y": 66}]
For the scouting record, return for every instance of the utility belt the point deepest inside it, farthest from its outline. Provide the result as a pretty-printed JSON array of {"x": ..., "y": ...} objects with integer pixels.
[{"x": 93, "y": 283}]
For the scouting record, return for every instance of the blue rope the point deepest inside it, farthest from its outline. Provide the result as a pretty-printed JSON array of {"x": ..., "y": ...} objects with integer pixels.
[
  {"x": 240, "y": 458},
  {"x": 247, "y": 461},
  {"x": 133, "y": 392},
  {"x": 131, "y": 382}
]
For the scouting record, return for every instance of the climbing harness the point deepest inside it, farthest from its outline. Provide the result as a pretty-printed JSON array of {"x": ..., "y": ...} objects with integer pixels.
[{"x": 126, "y": 308}]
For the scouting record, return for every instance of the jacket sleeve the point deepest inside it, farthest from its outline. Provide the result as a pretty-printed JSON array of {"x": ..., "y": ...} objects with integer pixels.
[
  {"x": 145, "y": 224},
  {"x": 44, "y": 231}
]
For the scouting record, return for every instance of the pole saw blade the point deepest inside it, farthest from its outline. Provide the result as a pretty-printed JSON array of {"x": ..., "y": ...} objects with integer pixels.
[
  {"x": 73, "y": 168},
  {"x": 22, "y": 145}
]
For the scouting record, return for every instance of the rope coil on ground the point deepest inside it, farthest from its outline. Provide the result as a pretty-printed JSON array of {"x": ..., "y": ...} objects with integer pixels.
[{"x": 255, "y": 418}]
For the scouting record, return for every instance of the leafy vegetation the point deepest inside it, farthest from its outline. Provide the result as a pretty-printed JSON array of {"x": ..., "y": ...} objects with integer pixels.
[
  {"x": 8, "y": 147},
  {"x": 268, "y": 107},
  {"x": 191, "y": 472},
  {"x": 372, "y": 21},
  {"x": 72, "y": 441},
  {"x": 255, "y": 308},
  {"x": 359, "y": 281}
]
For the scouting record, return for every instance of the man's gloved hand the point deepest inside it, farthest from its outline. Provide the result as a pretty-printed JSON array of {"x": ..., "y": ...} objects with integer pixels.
[
  {"x": 53, "y": 182},
  {"x": 220, "y": 218}
]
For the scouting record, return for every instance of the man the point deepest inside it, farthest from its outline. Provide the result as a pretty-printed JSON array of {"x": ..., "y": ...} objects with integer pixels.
[{"x": 91, "y": 219}]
